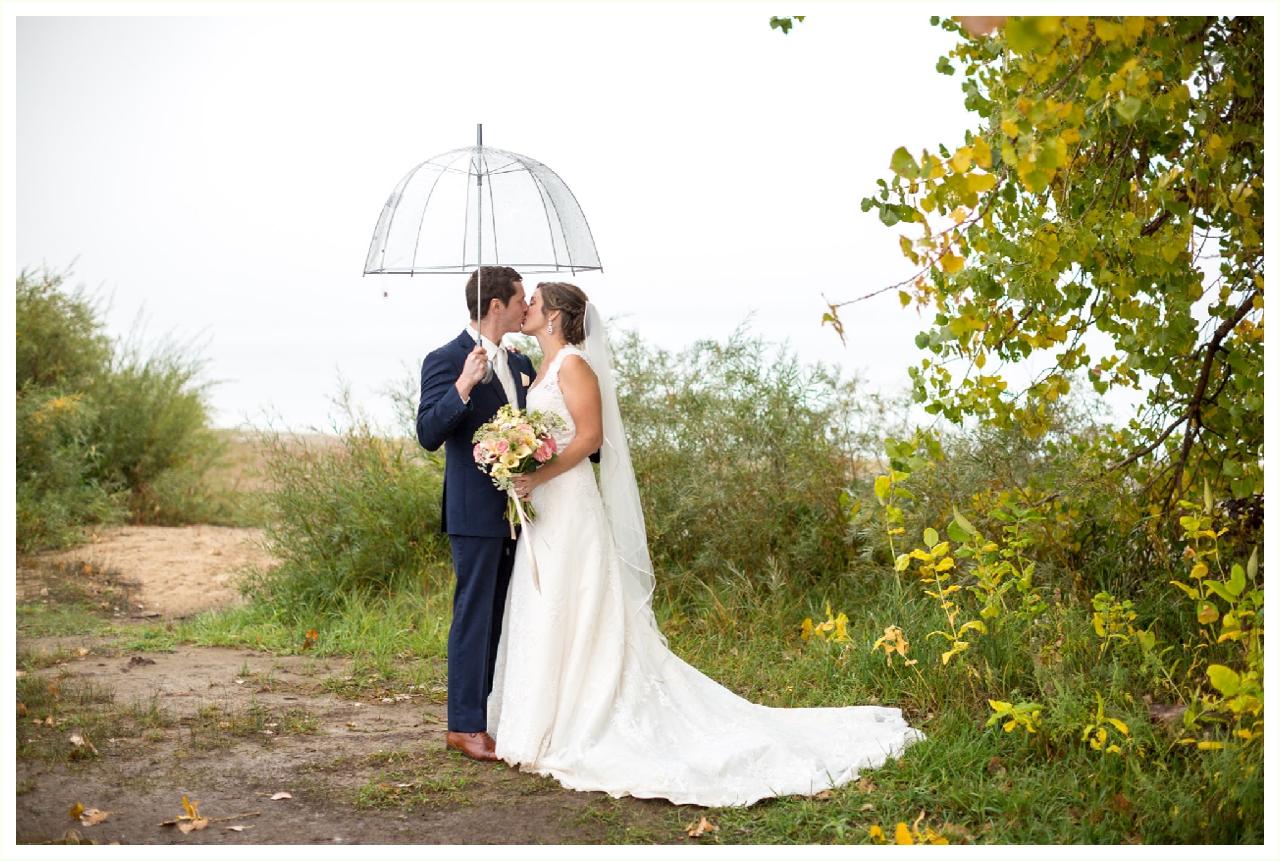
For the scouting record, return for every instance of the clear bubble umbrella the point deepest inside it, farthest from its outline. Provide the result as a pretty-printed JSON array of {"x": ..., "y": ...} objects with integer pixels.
[{"x": 479, "y": 205}]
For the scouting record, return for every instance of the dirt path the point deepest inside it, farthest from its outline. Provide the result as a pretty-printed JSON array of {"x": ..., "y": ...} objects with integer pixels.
[
  {"x": 177, "y": 570},
  {"x": 232, "y": 728}
]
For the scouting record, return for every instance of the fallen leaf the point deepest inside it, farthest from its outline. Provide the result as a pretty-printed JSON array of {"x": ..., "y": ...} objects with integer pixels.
[
  {"x": 94, "y": 816},
  {"x": 48, "y": 721},
  {"x": 995, "y": 766},
  {"x": 22, "y": 710},
  {"x": 187, "y": 826},
  {"x": 21, "y": 673},
  {"x": 192, "y": 808},
  {"x": 865, "y": 785},
  {"x": 239, "y": 681},
  {"x": 238, "y": 827},
  {"x": 281, "y": 795},
  {"x": 868, "y": 806},
  {"x": 703, "y": 826},
  {"x": 823, "y": 795},
  {"x": 81, "y": 652},
  {"x": 75, "y": 812}
]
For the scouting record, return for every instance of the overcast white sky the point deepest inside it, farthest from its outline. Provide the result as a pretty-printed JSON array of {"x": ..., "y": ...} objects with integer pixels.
[
  {"x": 224, "y": 173},
  {"x": 220, "y": 169}
]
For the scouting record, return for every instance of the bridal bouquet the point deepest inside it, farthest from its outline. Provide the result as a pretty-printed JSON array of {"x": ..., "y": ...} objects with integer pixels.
[{"x": 515, "y": 441}]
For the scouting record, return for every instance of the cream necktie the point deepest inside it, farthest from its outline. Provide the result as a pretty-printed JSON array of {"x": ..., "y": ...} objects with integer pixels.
[{"x": 503, "y": 371}]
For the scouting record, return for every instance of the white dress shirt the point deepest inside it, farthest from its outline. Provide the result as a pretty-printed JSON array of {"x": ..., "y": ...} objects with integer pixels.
[{"x": 498, "y": 355}]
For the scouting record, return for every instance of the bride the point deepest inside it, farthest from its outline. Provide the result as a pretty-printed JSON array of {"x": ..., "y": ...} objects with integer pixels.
[{"x": 585, "y": 688}]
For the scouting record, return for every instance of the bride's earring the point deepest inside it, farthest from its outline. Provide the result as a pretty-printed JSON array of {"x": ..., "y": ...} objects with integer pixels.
[{"x": 549, "y": 332}]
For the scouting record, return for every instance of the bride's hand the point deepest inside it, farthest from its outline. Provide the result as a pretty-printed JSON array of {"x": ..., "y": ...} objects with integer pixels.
[{"x": 524, "y": 483}]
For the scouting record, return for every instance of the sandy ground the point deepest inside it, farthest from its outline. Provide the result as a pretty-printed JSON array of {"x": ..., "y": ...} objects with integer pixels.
[
  {"x": 142, "y": 781},
  {"x": 176, "y": 570},
  {"x": 232, "y": 727}
]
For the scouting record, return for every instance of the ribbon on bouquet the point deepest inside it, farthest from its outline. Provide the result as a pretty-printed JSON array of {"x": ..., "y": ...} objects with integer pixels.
[{"x": 527, "y": 525}]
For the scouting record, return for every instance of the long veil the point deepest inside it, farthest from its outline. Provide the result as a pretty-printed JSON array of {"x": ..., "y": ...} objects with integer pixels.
[{"x": 618, "y": 486}]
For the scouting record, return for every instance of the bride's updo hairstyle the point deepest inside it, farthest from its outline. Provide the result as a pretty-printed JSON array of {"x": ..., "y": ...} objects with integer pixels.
[{"x": 571, "y": 302}]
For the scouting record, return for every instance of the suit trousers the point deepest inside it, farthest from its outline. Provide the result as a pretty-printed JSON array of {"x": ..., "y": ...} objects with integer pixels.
[{"x": 482, "y": 571}]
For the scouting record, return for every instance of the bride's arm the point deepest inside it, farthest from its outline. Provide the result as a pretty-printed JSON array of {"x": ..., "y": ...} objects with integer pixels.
[{"x": 582, "y": 396}]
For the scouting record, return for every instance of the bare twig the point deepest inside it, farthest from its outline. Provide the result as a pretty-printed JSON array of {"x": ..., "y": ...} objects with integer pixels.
[{"x": 1206, "y": 371}]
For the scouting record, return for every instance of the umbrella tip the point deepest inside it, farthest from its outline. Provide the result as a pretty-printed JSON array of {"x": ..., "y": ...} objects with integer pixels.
[{"x": 479, "y": 134}]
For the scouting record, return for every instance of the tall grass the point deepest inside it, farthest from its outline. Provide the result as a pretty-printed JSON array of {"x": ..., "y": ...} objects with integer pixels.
[{"x": 358, "y": 512}]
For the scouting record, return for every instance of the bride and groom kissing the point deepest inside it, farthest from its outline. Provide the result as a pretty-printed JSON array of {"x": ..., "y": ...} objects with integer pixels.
[{"x": 567, "y": 674}]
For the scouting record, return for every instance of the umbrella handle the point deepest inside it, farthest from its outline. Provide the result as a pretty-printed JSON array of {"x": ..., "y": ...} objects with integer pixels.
[{"x": 488, "y": 371}]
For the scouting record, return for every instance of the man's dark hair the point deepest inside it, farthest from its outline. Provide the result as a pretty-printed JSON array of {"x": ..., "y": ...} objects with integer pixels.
[{"x": 499, "y": 283}]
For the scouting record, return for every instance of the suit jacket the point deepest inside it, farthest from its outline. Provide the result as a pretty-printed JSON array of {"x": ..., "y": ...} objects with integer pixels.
[{"x": 471, "y": 504}]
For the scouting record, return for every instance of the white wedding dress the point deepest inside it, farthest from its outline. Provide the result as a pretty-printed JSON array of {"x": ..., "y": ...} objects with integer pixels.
[{"x": 586, "y": 690}]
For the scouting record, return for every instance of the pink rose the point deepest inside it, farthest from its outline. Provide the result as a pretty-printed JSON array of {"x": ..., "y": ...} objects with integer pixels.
[
  {"x": 500, "y": 447},
  {"x": 478, "y": 453},
  {"x": 545, "y": 451}
]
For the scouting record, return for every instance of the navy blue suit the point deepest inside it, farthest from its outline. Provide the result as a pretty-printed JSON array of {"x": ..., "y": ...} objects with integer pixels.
[{"x": 474, "y": 517}]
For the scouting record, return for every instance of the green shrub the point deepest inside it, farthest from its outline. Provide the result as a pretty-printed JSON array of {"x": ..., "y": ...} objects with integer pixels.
[
  {"x": 358, "y": 513},
  {"x": 56, "y": 492},
  {"x": 60, "y": 352},
  {"x": 151, "y": 417},
  {"x": 741, "y": 454},
  {"x": 59, "y": 341},
  {"x": 102, "y": 429}
]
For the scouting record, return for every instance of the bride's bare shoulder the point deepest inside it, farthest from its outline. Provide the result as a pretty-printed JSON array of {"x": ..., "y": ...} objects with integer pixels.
[{"x": 575, "y": 366}]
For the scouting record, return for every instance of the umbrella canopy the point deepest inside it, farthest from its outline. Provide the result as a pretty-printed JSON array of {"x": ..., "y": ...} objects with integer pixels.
[{"x": 481, "y": 205}]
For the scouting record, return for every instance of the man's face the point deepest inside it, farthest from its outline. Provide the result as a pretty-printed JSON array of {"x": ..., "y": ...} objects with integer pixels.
[{"x": 511, "y": 317}]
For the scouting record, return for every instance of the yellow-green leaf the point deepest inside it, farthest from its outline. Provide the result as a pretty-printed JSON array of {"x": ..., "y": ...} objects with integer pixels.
[
  {"x": 882, "y": 487},
  {"x": 980, "y": 182},
  {"x": 981, "y": 154},
  {"x": 1225, "y": 679}
]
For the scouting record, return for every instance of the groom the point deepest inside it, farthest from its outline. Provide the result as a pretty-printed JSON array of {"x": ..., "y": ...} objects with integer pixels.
[{"x": 454, "y": 404}]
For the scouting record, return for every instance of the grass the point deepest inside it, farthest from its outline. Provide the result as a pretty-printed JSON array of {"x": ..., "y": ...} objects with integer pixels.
[
  {"x": 218, "y": 727},
  {"x": 972, "y": 783},
  {"x": 66, "y": 599}
]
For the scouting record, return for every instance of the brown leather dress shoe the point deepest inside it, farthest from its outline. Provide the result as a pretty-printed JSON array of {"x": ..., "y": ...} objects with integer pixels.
[{"x": 475, "y": 745}]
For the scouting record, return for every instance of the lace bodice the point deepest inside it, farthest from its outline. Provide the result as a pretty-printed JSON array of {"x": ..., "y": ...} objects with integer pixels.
[{"x": 546, "y": 396}]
